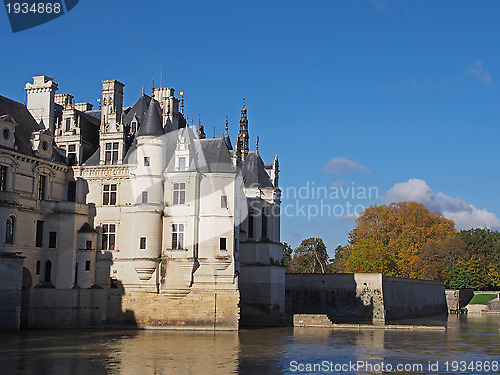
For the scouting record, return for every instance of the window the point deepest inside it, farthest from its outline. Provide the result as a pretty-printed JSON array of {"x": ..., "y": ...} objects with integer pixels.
[
  {"x": 264, "y": 223},
  {"x": 177, "y": 236},
  {"x": 48, "y": 271},
  {"x": 250, "y": 223},
  {"x": 71, "y": 155},
  {"x": 222, "y": 244},
  {"x": 108, "y": 236},
  {"x": 42, "y": 181},
  {"x": 9, "y": 230},
  {"x": 142, "y": 243},
  {"x": 111, "y": 153},
  {"x": 87, "y": 265},
  {"x": 37, "y": 268},
  {"x": 134, "y": 126},
  {"x": 144, "y": 197},
  {"x": 39, "y": 233},
  {"x": 68, "y": 124},
  {"x": 146, "y": 161},
  {"x": 223, "y": 201},
  {"x": 3, "y": 178},
  {"x": 52, "y": 239},
  {"x": 109, "y": 195},
  {"x": 182, "y": 164},
  {"x": 72, "y": 191},
  {"x": 88, "y": 245},
  {"x": 179, "y": 193}
]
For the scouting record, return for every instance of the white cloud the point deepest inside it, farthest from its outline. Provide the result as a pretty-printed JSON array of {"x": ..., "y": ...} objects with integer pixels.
[
  {"x": 464, "y": 214},
  {"x": 343, "y": 166},
  {"x": 481, "y": 74}
]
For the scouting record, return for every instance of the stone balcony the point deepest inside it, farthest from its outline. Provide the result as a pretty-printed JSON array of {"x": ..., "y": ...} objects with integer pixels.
[{"x": 63, "y": 207}]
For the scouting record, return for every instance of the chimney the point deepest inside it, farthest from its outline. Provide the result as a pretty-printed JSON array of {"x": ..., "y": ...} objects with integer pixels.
[{"x": 41, "y": 101}]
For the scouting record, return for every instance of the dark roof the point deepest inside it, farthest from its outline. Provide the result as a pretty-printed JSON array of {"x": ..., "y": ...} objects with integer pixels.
[
  {"x": 138, "y": 110},
  {"x": 228, "y": 141},
  {"x": 216, "y": 155},
  {"x": 96, "y": 114},
  {"x": 25, "y": 128},
  {"x": 86, "y": 228},
  {"x": 253, "y": 171},
  {"x": 95, "y": 158},
  {"x": 152, "y": 122}
]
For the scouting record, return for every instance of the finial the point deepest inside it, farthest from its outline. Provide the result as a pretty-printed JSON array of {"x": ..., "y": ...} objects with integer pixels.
[
  {"x": 192, "y": 125},
  {"x": 214, "y": 131},
  {"x": 153, "y": 89},
  {"x": 243, "y": 102},
  {"x": 199, "y": 119},
  {"x": 142, "y": 90},
  {"x": 227, "y": 125},
  {"x": 257, "y": 144},
  {"x": 182, "y": 102}
]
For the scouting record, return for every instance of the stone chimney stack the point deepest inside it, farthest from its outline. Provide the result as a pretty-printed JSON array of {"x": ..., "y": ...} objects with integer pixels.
[{"x": 41, "y": 101}]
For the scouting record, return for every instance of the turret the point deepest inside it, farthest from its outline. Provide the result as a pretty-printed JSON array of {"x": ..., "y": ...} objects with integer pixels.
[
  {"x": 112, "y": 137},
  {"x": 242, "y": 141}
]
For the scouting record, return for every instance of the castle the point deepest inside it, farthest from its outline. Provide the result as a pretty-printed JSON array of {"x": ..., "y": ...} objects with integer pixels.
[{"x": 134, "y": 215}]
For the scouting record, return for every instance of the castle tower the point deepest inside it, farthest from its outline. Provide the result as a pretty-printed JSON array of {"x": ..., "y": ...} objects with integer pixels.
[
  {"x": 148, "y": 191},
  {"x": 242, "y": 141},
  {"x": 112, "y": 138},
  {"x": 41, "y": 101}
]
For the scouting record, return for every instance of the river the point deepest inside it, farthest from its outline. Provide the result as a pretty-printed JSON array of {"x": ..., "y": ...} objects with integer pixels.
[{"x": 471, "y": 341}]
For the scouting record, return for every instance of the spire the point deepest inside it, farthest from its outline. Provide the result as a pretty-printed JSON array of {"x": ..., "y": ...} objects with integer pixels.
[
  {"x": 200, "y": 133},
  {"x": 257, "y": 144},
  {"x": 242, "y": 141},
  {"x": 153, "y": 89},
  {"x": 226, "y": 136},
  {"x": 214, "y": 132},
  {"x": 182, "y": 102},
  {"x": 227, "y": 126},
  {"x": 142, "y": 90},
  {"x": 152, "y": 121}
]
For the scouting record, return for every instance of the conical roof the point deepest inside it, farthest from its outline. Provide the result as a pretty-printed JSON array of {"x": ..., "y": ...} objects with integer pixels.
[{"x": 152, "y": 123}]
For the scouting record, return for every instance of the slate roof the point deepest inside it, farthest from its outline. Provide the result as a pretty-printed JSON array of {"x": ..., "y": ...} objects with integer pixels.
[
  {"x": 138, "y": 110},
  {"x": 25, "y": 128},
  {"x": 86, "y": 228},
  {"x": 152, "y": 124},
  {"x": 254, "y": 172},
  {"x": 216, "y": 155},
  {"x": 96, "y": 113}
]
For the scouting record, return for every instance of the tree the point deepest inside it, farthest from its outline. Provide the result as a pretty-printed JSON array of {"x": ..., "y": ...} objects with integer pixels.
[
  {"x": 389, "y": 238},
  {"x": 310, "y": 257},
  {"x": 287, "y": 256}
]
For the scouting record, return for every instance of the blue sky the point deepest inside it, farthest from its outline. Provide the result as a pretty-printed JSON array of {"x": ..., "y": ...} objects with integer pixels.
[{"x": 401, "y": 96}]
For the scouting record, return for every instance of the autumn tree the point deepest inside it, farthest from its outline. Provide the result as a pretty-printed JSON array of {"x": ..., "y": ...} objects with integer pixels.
[
  {"x": 389, "y": 238},
  {"x": 310, "y": 257}
]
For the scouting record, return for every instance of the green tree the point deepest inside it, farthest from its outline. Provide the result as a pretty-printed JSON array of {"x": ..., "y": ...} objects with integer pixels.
[
  {"x": 287, "y": 256},
  {"x": 310, "y": 257},
  {"x": 389, "y": 238}
]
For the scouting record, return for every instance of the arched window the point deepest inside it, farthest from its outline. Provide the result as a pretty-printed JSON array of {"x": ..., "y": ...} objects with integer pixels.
[
  {"x": 48, "y": 271},
  {"x": 9, "y": 230}
]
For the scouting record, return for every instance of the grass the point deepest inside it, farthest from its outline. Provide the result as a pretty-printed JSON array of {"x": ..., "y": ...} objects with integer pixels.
[{"x": 482, "y": 299}]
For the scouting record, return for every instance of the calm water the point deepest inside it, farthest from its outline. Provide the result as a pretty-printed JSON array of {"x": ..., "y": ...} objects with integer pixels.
[{"x": 260, "y": 351}]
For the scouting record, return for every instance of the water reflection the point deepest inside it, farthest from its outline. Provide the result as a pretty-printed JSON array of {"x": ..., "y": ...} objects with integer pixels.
[{"x": 260, "y": 351}]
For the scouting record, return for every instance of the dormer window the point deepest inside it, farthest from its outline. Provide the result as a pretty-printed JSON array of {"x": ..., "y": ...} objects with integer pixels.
[
  {"x": 111, "y": 153},
  {"x": 6, "y": 134},
  {"x": 182, "y": 164},
  {"x": 133, "y": 126},
  {"x": 68, "y": 124}
]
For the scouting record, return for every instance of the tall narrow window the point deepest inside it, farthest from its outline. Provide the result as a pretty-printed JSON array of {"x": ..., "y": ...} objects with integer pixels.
[
  {"x": 48, "y": 271},
  {"x": 87, "y": 265},
  {"x": 88, "y": 245},
  {"x": 42, "y": 182},
  {"x": 250, "y": 222},
  {"x": 111, "y": 153},
  {"x": 108, "y": 236},
  {"x": 146, "y": 161},
  {"x": 179, "y": 193},
  {"x": 144, "y": 197},
  {"x": 142, "y": 243},
  {"x": 264, "y": 223},
  {"x": 37, "y": 268},
  {"x": 72, "y": 191},
  {"x": 109, "y": 195},
  {"x": 177, "y": 236},
  {"x": 71, "y": 155},
  {"x": 39, "y": 233},
  {"x": 9, "y": 230},
  {"x": 133, "y": 126},
  {"x": 182, "y": 164},
  {"x": 68, "y": 124},
  {"x": 52, "y": 240},
  {"x": 3, "y": 178},
  {"x": 223, "y": 201},
  {"x": 222, "y": 243}
]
